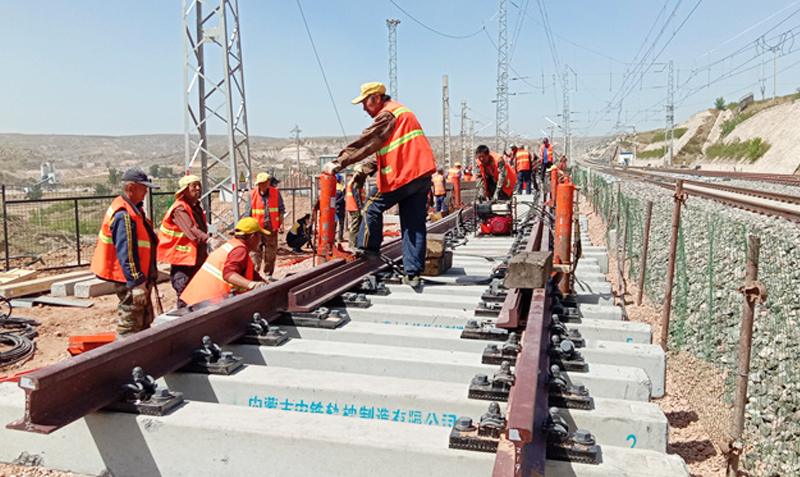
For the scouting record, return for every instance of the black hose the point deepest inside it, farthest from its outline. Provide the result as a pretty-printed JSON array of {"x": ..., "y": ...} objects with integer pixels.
[{"x": 19, "y": 336}]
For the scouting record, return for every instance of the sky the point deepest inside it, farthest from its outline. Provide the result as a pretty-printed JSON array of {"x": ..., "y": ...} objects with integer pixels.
[{"x": 113, "y": 67}]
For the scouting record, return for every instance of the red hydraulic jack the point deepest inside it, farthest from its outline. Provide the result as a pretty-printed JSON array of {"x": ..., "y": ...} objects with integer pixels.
[
  {"x": 327, "y": 248},
  {"x": 563, "y": 236}
]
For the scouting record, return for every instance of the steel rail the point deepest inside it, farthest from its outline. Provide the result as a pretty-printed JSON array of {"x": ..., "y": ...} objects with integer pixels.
[
  {"x": 68, "y": 390},
  {"x": 754, "y": 176}
]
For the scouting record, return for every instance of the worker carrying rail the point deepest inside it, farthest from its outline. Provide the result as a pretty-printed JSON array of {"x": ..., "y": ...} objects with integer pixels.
[
  {"x": 493, "y": 171},
  {"x": 404, "y": 164},
  {"x": 229, "y": 269},
  {"x": 125, "y": 253}
]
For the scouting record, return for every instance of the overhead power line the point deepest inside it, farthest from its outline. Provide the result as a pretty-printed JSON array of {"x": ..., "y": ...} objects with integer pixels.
[{"x": 454, "y": 37}]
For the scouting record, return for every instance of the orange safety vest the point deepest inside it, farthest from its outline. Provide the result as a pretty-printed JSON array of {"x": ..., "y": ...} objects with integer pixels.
[
  {"x": 547, "y": 156},
  {"x": 350, "y": 200},
  {"x": 523, "y": 161},
  {"x": 452, "y": 173},
  {"x": 104, "y": 261},
  {"x": 406, "y": 155},
  {"x": 467, "y": 176},
  {"x": 257, "y": 207},
  {"x": 438, "y": 184},
  {"x": 208, "y": 282},
  {"x": 511, "y": 177},
  {"x": 174, "y": 247}
]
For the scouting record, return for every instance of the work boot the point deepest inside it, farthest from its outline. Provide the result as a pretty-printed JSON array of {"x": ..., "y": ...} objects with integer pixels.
[
  {"x": 412, "y": 281},
  {"x": 368, "y": 255}
]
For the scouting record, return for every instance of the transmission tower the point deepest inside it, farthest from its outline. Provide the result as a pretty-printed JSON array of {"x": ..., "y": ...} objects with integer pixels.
[
  {"x": 501, "y": 138},
  {"x": 464, "y": 133},
  {"x": 446, "y": 121},
  {"x": 669, "y": 129},
  {"x": 214, "y": 103},
  {"x": 567, "y": 131},
  {"x": 392, "y": 24}
]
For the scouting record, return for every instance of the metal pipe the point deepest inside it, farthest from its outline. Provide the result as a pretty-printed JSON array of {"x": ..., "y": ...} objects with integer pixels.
[
  {"x": 77, "y": 232},
  {"x": 456, "y": 192},
  {"x": 5, "y": 229},
  {"x": 673, "y": 246},
  {"x": 327, "y": 216},
  {"x": 563, "y": 246},
  {"x": 646, "y": 241},
  {"x": 752, "y": 292}
]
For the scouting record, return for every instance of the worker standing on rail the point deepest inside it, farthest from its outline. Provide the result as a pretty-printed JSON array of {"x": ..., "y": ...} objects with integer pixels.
[
  {"x": 229, "y": 269},
  {"x": 546, "y": 153},
  {"x": 493, "y": 171},
  {"x": 341, "y": 213},
  {"x": 404, "y": 163},
  {"x": 125, "y": 253},
  {"x": 439, "y": 192},
  {"x": 270, "y": 218},
  {"x": 355, "y": 198},
  {"x": 522, "y": 163},
  {"x": 183, "y": 235}
]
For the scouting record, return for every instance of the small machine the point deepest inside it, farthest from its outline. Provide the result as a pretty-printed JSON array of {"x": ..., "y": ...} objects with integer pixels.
[{"x": 496, "y": 218}]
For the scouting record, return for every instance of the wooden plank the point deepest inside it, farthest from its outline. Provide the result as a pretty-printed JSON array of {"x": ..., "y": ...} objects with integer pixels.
[
  {"x": 38, "y": 285},
  {"x": 17, "y": 275}
]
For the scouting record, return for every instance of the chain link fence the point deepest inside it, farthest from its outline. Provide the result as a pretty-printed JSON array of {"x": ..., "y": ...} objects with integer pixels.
[{"x": 707, "y": 304}]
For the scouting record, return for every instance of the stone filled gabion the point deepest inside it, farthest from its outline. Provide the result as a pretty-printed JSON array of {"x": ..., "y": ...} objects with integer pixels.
[{"x": 707, "y": 305}]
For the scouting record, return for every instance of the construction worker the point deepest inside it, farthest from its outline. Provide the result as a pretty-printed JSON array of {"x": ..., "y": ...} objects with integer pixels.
[
  {"x": 546, "y": 154},
  {"x": 270, "y": 218},
  {"x": 183, "y": 235},
  {"x": 494, "y": 171},
  {"x": 125, "y": 253},
  {"x": 439, "y": 192},
  {"x": 355, "y": 198},
  {"x": 405, "y": 164},
  {"x": 468, "y": 177},
  {"x": 229, "y": 269},
  {"x": 522, "y": 163},
  {"x": 341, "y": 213},
  {"x": 299, "y": 235},
  {"x": 454, "y": 172}
]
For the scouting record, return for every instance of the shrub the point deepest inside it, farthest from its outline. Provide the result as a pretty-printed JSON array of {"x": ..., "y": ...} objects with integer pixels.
[
  {"x": 729, "y": 125},
  {"x": 720, "y": 103},
  {"x": 751, "y": 150},
  {"x": 651, "y": 154},
  {"x": 677, "y": 133}
]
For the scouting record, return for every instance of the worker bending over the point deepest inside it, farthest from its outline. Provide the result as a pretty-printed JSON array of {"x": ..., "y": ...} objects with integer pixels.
[
  {"x": 493, "y": 171},
  {"x": 355, "y": 198},
  {"x": 229, "y": 269},
  {"x": 404, "y": 164}
]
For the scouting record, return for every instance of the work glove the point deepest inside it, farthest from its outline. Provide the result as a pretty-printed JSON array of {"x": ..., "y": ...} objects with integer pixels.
[
  {"x": 359, "y": 177},
  {"x": 215, "y": 243},
  {"x": 139, "y": 294},
  {"x": 331, "y": 168},
  {"x": 253, "y": 285}
]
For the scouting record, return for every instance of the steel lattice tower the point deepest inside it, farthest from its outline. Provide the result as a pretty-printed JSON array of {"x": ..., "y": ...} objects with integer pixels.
[
  {"x": 464, "y": 133},
  {"x": 392, "y": 24},
  {"x": 502, "y": 83},
  {"x": 567, "y": 129},
  {"x": 669, "y": 129},
  {"x": 214, "y": 103},
  {"x": 446, "y": 121}
]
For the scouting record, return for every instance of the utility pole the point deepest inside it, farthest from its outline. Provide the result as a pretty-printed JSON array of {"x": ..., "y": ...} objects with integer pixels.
[
  {"x": 501, "y": 136},
  {"x": 216, "y": 34},
  {"x": 669, "y": 129},
  {"x": 762, "y": 81},
  {"x": 471, "y": 141},
  {"x": 392, "y": 25},
  {"x": 446, "y": 121},
  {"x": 567, "y": 130},
  {"x": 763, "y": 47},
  {"x": 296, "y": 131},
  {"x": 464, "y": 133}
]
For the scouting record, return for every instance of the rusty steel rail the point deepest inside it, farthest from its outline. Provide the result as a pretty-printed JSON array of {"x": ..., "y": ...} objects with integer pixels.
[
  {"x": 752, "y": 176},
  {"x": 522, "y": 450},
  {"x": 66, "y": 391}
]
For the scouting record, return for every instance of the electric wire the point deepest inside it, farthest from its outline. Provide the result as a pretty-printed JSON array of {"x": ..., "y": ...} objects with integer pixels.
[
  {"x": 18, "y": 334},
  {"x": 322, "y": 70},
  {"x": 454, "y": 37}
]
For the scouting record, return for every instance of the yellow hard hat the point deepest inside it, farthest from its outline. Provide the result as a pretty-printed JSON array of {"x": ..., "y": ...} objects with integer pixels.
[
  {"x": 457, "y": 164},
  {"x": 368, "y": 89},
  {"x": 262, "y": 177},
  {"x": 184, "y": 183},
  {"x": 247, "y": 226}
]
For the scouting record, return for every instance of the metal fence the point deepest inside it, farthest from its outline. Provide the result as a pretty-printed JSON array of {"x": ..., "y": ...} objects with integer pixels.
[{"x": 707, "y": 308}]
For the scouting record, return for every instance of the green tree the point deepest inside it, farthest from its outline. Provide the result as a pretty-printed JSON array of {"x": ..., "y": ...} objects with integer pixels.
[
  {"x": 102, "y": 189},
  {"x": 113, "y": 176},
  {"x": 34, "y": 193},
  {"x": 154, "y": 171},
  {"x": 720, "y": 103}
]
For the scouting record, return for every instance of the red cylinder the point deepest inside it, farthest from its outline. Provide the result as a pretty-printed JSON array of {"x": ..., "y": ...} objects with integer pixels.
[
  {"x": 563, "y": 236},
  {"x": 327, "y": 216},
  {"x": 456, "y": 192}
]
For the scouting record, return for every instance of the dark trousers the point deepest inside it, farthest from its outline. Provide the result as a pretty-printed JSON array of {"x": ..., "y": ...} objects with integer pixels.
[
  {"x": 441, "y": 203},
  {"x": 179, "y": 276},
  {"x": 341, "y": 213},
  {"x": 412, "y": 199},
  {"x": 296, "y": 241},
  {"x": 524, "y": 181}
]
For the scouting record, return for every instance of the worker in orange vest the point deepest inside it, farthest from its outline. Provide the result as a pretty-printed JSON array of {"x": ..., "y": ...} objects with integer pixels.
[
  {"x": 354, "y": 201},
  {"x": 183, "y": 235},
  {"x": 404, "y": 164},
  {"x": 270, "y": 218},
  {"x": 229, "y": 269},
  {"x": 522, "y": 163},
  {"x": 125, "y": 254},
  {"x": 497, "y": 178},
  {"x": 468, "y": 177},
  {"x": 439, "y": 192},
  {"x": 454, "y": 172},
  {"x": 546, "y": 154}
]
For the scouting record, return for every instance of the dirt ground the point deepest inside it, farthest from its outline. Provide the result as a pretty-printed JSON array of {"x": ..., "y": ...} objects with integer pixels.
[{"x": 698, "y": 421}]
